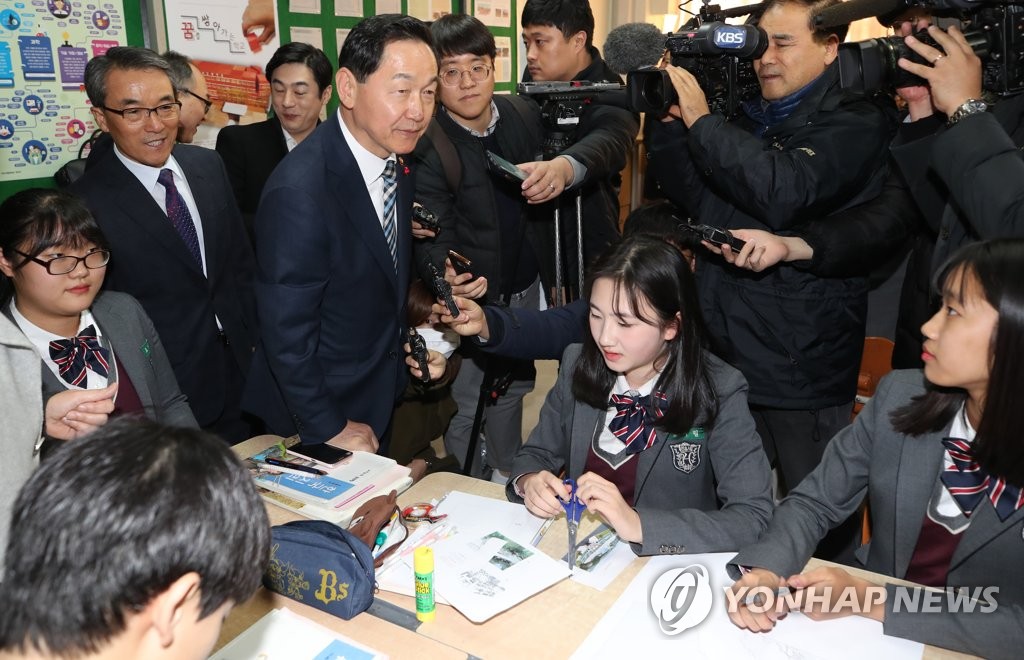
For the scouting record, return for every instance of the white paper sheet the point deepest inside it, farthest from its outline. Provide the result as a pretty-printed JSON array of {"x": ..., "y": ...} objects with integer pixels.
[
  {"x": 600, "y": 558},
  {"x": 794, "y": 638},
  {"x": 482, "y": 575},
  {"x": 285, "y": 635}
]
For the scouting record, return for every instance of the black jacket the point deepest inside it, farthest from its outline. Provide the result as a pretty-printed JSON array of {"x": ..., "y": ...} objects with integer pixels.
[
  {"x": 469, "y": 216},
  {"x": 797, "y": 337},
  {"x": 603, "y": 138}
]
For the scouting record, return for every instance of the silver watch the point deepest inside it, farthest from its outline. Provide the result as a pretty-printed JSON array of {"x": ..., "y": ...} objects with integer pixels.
[{"x": 966, "y": 109}]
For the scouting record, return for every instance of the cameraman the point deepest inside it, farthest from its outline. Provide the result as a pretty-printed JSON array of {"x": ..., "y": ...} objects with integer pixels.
[
  {"x": 804, "y": 150},
  {"x": 558, "y": 37}
]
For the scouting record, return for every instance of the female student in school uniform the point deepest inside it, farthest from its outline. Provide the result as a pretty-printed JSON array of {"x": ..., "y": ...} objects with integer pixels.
[
  {"x": 689, "y": 474},
  {"x": 53, "y": 257},
  {"x": 941, "y": 458}
]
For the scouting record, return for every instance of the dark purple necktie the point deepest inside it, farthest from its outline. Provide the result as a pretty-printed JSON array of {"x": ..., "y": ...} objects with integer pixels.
[
  {"x": 632, "y": 423},
  {"x": 968, "y": 483},
  {"x": 73, "y": 355},
  {"x": 177, "y": 213}
]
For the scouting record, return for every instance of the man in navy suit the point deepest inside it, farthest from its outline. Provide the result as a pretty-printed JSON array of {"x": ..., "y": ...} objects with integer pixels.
[
  {"x": 300, "y": 87},
  {"x": 176, "y": 236},
  {"x": 333, "y": 242}
]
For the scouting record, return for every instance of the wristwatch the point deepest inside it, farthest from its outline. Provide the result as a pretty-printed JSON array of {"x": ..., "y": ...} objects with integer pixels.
[{"x": 966, "y": 109}]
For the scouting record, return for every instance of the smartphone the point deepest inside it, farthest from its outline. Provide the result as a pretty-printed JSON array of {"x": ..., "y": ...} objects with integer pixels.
[
  {"x": 504, "y": 168},
  {"x": 328, "y": 455},
  {"x": 460, "y": 263}
]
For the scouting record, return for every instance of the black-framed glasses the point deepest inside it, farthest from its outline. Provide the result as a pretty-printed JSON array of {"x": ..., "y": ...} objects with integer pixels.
[
  {"x": 207, "y": 103},
  {"x": 63, "y": 265},
  {"x": 139, "y": 115},
  {"x": 477, "y": 73}
]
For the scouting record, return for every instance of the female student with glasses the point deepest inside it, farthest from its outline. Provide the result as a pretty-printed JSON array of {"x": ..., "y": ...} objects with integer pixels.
[{"x": 53, "y": 257}]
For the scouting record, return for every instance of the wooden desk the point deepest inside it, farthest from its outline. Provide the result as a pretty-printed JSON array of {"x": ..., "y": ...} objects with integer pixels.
[{"x": 551, "y": 624}]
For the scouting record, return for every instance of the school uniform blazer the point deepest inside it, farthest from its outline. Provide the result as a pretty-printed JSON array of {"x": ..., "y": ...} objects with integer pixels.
[
  {"x": 21, "y": 412},
  {"x": 137, "y": 346},
  {"x": 332, "y": 308},
  {"x": 899, "y": 473},
  {"x": 150, "y": 262},
  {"x": 693, "y": 495},
  {"x": 250, "y": 154}
]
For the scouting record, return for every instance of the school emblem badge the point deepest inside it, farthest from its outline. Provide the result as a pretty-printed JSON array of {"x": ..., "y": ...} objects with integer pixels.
[{"x": 686, "y": 456}]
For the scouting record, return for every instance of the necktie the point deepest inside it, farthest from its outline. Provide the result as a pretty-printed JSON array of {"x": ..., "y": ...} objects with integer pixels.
[
  {"x": 73, "y": 355},
  {"x": 390, "y": 200},
  {"x": 632, "y": 423},
  {"x": 177, "y": 213},
  {"x": 968, "y": 483}
]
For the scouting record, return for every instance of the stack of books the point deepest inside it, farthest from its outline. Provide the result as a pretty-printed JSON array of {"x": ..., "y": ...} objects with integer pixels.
[{"x": 333, "y": 496}]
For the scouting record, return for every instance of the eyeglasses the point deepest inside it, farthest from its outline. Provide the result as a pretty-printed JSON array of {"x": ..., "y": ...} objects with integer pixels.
[
  {"x": 139, "y": 115},
  {"x": 478, "y": 73},
  {"x": 64, "y": 265},
  {"x": 207, "y": 103}
]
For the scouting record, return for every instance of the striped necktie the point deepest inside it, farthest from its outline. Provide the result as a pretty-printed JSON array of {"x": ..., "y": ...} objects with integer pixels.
[
  {"x": 633, "y": 423},
  {"x": 177, "y": 213},
  {"x": 72, "y": 356},
  {"x": 390, "y": 200},
  {"x": 968, "y": 482}
]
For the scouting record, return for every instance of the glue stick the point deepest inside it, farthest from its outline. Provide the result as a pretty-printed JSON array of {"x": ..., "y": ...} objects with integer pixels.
[{"x": 423, "y": 567}]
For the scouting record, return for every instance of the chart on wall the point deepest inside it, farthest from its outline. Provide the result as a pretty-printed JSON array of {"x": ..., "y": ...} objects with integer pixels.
[
  {"x": 44, "y": 114},
  {"x": 230, "y": 41}
]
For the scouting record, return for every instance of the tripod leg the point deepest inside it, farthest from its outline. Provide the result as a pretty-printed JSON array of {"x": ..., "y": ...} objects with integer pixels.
[
  {"x": 579, "y": 245},
  {"x": 559, "y": 297}
]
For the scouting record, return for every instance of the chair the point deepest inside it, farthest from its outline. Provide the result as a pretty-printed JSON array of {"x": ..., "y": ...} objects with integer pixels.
[{"x": 875, "y": 362}]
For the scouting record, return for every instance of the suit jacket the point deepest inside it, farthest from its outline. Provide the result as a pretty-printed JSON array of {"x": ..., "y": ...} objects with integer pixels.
[
  {"x": 898, "y": 473},
  {"x": 250, "y": 154},
  {"x": 138, "y": 349},
  {"x": 21, "y": 409},
  {"x": 151, "y": 263},
  {"x": 332, "y": 308},
  {"x": 690, "y": 500}
]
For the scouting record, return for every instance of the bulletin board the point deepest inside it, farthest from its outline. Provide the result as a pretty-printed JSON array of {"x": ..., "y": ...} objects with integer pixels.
[{"x": 44, "y": 114}]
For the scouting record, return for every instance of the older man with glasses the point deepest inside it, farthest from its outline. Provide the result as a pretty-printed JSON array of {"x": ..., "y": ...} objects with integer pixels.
[
  {"x": 170, "y": 217},
  {"x": 193, "y": 95}
]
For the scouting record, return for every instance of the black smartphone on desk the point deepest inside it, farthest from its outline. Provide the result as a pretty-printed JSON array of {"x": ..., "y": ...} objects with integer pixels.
[{"x": 325, "y": 454}]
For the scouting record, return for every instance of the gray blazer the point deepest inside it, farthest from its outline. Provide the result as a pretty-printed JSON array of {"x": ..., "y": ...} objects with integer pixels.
[
  {"x": 137, "y": 347},
  {"x": 21, "y": 409},
  {"x": 721, "y": 502},
  {"x": 898, "y": 473}
]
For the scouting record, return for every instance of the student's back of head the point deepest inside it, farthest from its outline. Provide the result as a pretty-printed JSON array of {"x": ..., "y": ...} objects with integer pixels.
[{"x": 139, "y": 537}]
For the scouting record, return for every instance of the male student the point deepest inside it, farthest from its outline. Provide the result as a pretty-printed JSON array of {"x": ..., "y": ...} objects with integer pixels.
[{"x": 133, "y": 542}]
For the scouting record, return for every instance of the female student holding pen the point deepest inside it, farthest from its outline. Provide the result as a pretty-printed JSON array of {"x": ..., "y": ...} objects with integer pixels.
[
  {"x": 941, "y": 458},
  {"x": 680, "y": 469}
]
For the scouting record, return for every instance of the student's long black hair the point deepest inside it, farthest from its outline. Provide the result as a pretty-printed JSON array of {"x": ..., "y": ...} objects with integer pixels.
[
  {"x": 998, "y": 267},
  {"x": 643, "y": 267}
]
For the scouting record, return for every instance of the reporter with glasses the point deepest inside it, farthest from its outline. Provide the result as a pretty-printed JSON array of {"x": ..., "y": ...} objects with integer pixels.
[{"x": 169, "y": 215}]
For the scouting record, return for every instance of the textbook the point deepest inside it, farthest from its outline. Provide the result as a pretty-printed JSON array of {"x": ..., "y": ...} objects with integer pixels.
[{"x": 333, "y": 496}]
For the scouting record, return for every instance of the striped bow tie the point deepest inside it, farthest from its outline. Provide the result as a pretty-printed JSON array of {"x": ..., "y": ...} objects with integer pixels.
[
  {"x": 968, "y": 483},
  {"x": 72, "y": 357},
  {"x": 632, "y": 423}
]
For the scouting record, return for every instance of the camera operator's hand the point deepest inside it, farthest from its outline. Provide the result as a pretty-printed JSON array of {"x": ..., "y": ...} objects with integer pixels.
[
  {"x": 954, "y": 75},
  {"x": 918, "y": 97},
  {"x": 692, "y": 103},
  {"x": 547, "y": 179}
]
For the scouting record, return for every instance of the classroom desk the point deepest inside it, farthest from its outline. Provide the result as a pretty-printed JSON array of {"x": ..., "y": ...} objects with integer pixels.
[{"x": 551, "y": 624}]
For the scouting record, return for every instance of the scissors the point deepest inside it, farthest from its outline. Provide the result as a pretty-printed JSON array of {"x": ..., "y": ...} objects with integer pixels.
[{"x": 573, "y": 511}]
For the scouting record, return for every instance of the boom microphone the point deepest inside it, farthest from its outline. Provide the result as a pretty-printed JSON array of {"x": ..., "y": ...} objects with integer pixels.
[
  {"x": 853, "y": 10},
  {"x": 633, "y": 46}
]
